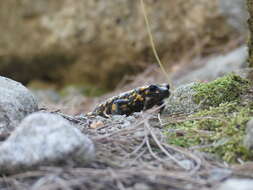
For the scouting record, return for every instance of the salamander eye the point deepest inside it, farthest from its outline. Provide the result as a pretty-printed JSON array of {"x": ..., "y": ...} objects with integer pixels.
[
  {"x": 152, "y": 88},
  {"x": 168, "y": 86}
]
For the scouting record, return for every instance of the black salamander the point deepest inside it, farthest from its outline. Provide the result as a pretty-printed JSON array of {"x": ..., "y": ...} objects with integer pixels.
[{"x": 135, "y": 100}]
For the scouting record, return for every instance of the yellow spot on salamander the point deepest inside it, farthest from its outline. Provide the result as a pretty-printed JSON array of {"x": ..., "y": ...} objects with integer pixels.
[
  {"x": 114, "y": 107},
  {"x": 143, "y": 88},
  {"x": 139, "y": 97},
  {"x": 101, "y": 106}
]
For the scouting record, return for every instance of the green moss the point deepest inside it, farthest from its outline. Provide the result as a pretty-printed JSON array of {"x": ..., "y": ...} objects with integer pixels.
[
  {"x": 219, "y": 127},
  {"x": 219, "y": 130},
  {"x": 224, "y": 89}
]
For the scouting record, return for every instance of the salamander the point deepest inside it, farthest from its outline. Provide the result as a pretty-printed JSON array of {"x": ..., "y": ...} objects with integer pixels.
[{"x": 136, "y": 100}]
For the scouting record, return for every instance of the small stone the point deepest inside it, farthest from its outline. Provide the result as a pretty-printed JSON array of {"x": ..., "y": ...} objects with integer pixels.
[
  {"x": 248, "y": 139},
  {"x": 219, "y": 174},
  {"x": 187, "y": 164},
  {"x": 44, "y": 139},
  {"x": 16, "y": 102},
  {"x": 96, "y": 124},
  {"x": 237, "y": 184}
]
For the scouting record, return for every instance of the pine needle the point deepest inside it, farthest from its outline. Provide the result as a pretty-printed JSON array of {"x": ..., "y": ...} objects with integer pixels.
[{"x": 152, "y": 42}]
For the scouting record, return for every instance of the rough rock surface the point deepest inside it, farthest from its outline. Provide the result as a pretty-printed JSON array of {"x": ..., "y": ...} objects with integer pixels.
[
  {"x": 16, "y": 102},
  {"x": 79, "y": 36},
  {"x": 44, "y": 139},
  {"x": 248, "y": 139},
  {"x": 219, "y": 174},
  {"x": 237, "y": 184},
  {"x": 235, "y": 61},
  {"x": 236, "y": 14},
  {"x": 180, "y": 100}
]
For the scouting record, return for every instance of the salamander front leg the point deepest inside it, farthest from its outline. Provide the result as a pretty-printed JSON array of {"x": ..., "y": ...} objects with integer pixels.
[{"x": 121, "y": 107}]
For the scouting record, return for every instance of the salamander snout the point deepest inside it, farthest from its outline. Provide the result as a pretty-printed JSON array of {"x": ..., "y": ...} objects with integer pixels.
[
  {"x": 164, "y": 90},
  {"x": 159, "y": 91}
]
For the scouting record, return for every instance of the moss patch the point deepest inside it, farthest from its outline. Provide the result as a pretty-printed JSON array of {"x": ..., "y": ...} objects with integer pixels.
[
  {"x": 224, "y": 89},
  {"x": 219, "y": 127}
]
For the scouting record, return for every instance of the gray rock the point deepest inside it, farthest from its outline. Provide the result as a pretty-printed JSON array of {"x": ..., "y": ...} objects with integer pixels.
[
  {"x": 44, "y": 139},
  {"x": 180, "y": 100},
  {"x": 237, "y": 184},
  {"x": 187, "y": 164},
  {"x": 236, "y": 13},
  {"x": 16, "y": 102},
  {"x": 248, "y": 139},
  {"x": 235, "y": 61},
  {"x": 219, "y": 174}
]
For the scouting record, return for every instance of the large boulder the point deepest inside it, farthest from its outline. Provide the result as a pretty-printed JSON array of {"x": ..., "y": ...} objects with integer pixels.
[{"x": 98, "y": 41}]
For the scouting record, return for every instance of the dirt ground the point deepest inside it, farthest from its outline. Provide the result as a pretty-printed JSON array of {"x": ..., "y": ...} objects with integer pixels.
[{"x": 133, "y": 156}]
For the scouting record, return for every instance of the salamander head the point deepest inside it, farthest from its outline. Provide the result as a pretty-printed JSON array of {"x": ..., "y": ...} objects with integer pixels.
[
  {"x": 157, "y": 91},
  {"x": 155, "y": 94}
]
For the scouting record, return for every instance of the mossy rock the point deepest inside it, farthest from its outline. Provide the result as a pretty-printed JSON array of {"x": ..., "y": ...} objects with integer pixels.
[
  {"x": 218, "y": 125},
  {"x": 196, "y": 96}
]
